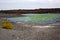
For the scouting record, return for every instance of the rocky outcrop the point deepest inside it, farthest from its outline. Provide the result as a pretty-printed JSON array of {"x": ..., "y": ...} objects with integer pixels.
[{"x": 24, "y": 11}]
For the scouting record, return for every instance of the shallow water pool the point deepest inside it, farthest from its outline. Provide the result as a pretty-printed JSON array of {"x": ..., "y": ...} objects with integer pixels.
[{"x": 37, "y": 18}]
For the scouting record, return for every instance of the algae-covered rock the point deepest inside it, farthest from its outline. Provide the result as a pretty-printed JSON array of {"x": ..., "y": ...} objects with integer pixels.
[{"x": 7, "y": 25}]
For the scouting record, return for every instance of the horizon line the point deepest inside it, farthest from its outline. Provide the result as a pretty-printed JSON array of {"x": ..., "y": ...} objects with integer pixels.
[{"x": 28, "y": 8}]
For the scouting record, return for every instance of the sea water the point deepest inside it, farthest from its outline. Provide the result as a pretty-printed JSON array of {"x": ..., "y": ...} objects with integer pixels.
[{"x": 36, "y": 18}]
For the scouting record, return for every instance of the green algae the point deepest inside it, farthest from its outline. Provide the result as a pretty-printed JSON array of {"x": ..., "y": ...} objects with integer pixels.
[{"x": 36, "y": 17}]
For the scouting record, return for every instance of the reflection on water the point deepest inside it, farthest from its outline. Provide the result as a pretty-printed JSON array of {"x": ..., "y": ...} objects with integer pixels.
[{"x": 37, "y": 18}]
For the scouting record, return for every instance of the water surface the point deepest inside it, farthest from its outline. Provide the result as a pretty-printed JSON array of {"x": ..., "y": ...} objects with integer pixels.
[{"x": 37, "y": 18}]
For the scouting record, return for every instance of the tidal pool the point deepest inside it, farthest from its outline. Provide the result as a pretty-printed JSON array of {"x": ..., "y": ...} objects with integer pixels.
[{"x": 37, "y": 18}]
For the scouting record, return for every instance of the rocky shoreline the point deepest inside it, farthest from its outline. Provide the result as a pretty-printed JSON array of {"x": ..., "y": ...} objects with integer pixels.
[
  {"x": 25, "y": 31},
  {"x": 31, "y": 31}
]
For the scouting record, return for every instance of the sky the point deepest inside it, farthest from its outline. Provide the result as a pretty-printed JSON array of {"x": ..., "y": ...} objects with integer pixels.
[{"x": 28, "y": 4}]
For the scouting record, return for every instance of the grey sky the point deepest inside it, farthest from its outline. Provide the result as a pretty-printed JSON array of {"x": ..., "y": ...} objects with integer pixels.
[{"x": 28, "y": 4}]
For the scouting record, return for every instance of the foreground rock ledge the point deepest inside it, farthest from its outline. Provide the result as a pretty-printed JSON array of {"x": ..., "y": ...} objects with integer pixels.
[{"x": 31, "y": 33}]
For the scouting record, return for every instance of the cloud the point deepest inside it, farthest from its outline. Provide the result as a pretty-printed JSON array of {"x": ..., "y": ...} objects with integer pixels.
[{"x": 17, "y": 4}]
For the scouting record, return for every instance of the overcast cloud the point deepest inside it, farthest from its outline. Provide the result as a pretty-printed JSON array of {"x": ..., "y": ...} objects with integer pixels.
[{"x": 28, "y": 4}]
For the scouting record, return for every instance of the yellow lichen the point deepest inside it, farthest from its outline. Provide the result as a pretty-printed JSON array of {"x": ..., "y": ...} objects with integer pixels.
[{"x": 7, "y": 25}]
